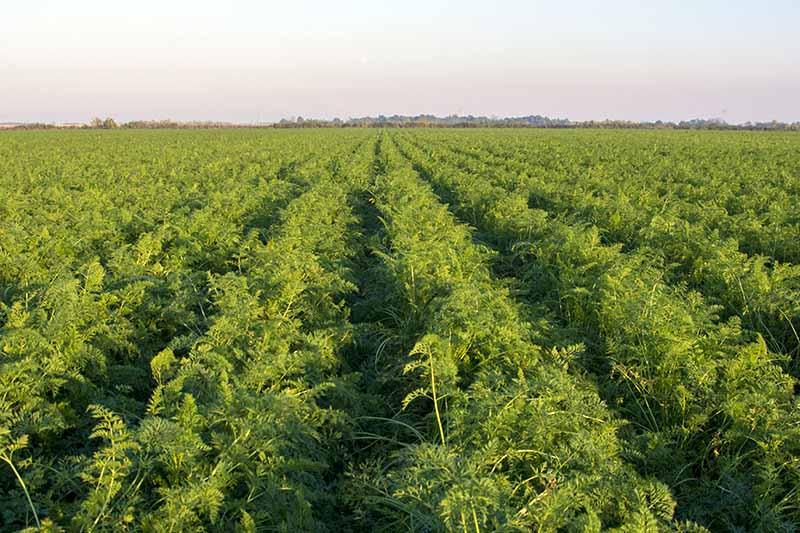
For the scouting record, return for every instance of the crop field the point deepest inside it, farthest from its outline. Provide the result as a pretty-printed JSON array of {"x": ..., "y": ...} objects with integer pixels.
[{"x": 404, "y": 329}]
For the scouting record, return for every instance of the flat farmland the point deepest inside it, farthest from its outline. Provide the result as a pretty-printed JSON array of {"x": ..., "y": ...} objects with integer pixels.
[{"x": 399, "y": 329}]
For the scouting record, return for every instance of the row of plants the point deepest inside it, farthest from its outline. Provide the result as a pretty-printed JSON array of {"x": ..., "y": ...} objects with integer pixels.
[
  {"x": 742, "y": 185},
  {"x": 493, "y": 428},
  {"x": 761, "y": 291},
  {"x": 711, "y": 412},
  {"x": 129, "y": 281}
]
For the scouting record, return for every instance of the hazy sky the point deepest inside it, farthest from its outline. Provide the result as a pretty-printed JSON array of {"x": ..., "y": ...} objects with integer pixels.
[{"x": 248, "y": 60}]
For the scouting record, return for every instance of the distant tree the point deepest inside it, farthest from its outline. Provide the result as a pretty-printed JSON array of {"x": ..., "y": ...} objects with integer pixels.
[{"x": 103, "y": 124}]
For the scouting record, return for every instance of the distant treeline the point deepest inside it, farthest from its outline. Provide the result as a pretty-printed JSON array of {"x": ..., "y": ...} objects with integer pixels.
[
  {"x": 530, "y": 121},
  {"x": 423, "y": 121},
  {"x": 197, "y": 124},
  {"x": 110, "y": 124}
]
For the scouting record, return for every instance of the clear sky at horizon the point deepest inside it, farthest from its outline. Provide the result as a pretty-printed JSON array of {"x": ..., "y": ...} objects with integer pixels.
[{"x": 247, "y": 61}]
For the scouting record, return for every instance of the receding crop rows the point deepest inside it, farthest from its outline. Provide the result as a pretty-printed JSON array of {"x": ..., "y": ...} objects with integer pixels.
[
  {"x": 740, "y": 186},
  {"x": 288, "y": 330},
  {"x": 258, "y": 407},
  {"x": 498, "y": 434},
  {"x": 113, "y": 282},
  {"x": 712, "y": 414},
  {"x": 765, "y": 294}
]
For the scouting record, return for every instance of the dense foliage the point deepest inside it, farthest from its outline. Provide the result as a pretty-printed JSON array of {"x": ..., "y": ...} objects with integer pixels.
[{"x": 449, "y": 330}]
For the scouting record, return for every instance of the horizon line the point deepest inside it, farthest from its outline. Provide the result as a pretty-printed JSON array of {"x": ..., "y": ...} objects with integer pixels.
[{"x": 295, "y": 119}]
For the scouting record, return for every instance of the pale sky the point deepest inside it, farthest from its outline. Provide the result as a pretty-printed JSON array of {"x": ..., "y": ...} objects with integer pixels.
[{"x": 249, "y": 60}]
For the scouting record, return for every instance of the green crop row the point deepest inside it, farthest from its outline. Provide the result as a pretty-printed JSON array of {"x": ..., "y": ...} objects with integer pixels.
[
  {"x": 501, "y": 434},
  {"x": 712, "y": 415},
  {"x": 168, "y": 338},
  {"x": 762, "y": 292}
]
